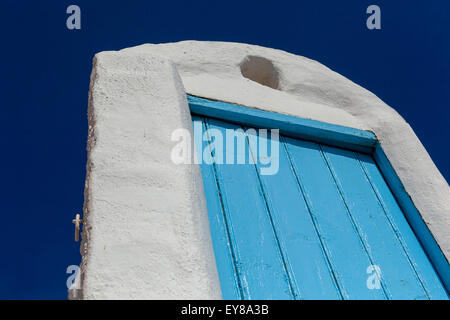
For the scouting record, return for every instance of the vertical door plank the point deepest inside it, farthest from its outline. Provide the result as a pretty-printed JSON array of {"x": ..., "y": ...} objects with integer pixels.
[
  {"x": 306, "y": 259},
  {"x": 397, "y": 274},
  {"x": 223, "y": 251},
  {"x": 402, "y": 229},
  {"x": 348, "y": 256},
  {"x": 260, "y": 265}
]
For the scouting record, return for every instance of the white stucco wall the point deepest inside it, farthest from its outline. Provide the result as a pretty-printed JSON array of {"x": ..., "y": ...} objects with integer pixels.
[{"x": 146, "y": 233}]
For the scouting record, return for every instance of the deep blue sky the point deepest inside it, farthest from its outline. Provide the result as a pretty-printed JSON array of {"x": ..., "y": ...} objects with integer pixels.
[{"x": 45, "y": 81}]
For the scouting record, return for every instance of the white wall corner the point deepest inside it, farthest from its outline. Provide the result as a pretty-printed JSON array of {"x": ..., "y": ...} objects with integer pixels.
[{"x": 146, "y": 232}]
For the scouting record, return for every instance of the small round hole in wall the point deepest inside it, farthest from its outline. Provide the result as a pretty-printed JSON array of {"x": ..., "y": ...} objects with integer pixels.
[{"x": 260, "y": 70}]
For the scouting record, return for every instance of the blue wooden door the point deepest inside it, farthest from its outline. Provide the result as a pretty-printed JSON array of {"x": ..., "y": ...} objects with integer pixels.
[{"x": 325, "y": 226}]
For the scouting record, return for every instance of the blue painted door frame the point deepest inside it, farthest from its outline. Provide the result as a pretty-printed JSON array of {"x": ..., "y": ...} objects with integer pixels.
[{"x": 303, "y": 263}]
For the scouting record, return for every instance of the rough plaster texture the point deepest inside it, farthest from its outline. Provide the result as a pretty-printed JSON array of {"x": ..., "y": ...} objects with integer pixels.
[{"x": 147, "y": 231}]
